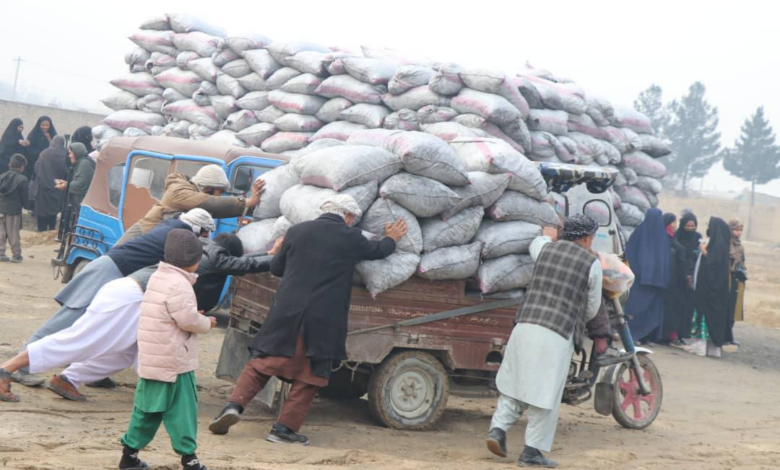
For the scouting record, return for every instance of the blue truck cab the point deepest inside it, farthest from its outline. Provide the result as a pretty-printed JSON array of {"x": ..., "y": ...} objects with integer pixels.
[{"x": 130, "y": 178}]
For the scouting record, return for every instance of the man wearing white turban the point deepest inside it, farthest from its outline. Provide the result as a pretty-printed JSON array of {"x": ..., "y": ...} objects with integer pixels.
[{"x": 305, "y": 332}]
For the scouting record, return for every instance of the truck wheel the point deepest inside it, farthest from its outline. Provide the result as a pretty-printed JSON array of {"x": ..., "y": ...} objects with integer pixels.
[
  {"x": 80, "y": 267},
  {"x": 408, "y": 391},
  {"x": 73, "y": 270},
  {"x": 341, "y": 386}
]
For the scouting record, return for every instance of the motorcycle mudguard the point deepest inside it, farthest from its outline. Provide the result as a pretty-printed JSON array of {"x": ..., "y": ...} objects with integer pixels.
[
  {"x": 605, "y": 391},
  {"x": 605, "y": 398}
]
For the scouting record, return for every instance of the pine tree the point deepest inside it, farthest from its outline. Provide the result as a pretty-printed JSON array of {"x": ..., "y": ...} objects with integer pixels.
[
  {"x": 692, "y": 131},
  {"x": 650, "y": 103},
  {"x": 755, "y": 156}
]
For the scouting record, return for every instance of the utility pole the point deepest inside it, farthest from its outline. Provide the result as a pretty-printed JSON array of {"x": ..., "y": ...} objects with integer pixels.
[{"x": 18, "y": 61}]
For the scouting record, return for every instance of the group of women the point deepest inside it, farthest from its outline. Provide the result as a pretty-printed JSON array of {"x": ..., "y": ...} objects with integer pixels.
[
  {"x": 48, "y": 164},
  {"x": 687, "y": 292}
]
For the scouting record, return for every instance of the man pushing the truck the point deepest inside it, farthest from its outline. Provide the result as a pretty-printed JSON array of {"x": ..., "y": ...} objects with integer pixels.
[
  {"x": 564, "y": 294},
  {"x": 306, "y": 330},
  {"x": 203, "y": 191}
]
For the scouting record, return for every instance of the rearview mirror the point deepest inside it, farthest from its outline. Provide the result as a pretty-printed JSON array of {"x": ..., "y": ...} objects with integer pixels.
[
  {"x": 599, "y": 211},
  {"x": 243, "y": 179}
]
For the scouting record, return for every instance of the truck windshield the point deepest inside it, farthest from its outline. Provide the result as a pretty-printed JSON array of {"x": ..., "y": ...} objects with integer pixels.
[{"x": 243, "y": 176}]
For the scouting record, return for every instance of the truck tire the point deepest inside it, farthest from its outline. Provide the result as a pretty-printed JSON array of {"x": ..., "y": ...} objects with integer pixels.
[
  {"x": 82, "y": 263},
  {"x": 341, "y": 386},
  {"x": 408, "y": 391},
  {"x": 73, "y": 270}
]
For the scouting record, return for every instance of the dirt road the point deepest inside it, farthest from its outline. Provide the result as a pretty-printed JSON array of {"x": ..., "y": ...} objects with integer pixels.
[{"x": 717, "y": 414}]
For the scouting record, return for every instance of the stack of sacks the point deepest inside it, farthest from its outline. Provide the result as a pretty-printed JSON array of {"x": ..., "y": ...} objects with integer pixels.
[
  {"x": 190, "y": 79},
  {"x": 472, "y": 205}
]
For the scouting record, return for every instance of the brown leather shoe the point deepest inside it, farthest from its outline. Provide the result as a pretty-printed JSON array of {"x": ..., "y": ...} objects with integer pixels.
[
  {"x": 5, "y": 388},
  {"x": 60, "y": 385}
]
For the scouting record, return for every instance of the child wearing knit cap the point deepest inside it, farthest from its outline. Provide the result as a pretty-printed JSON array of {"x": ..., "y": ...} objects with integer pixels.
[{"x": 168, "y": 329}]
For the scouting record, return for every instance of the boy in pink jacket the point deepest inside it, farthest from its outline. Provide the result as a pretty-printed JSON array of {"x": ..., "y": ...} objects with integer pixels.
[{"x": 168, "y": 329}]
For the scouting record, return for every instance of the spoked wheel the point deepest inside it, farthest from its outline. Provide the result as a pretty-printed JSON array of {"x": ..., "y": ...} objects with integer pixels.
[{"x": 632, "y": 409}]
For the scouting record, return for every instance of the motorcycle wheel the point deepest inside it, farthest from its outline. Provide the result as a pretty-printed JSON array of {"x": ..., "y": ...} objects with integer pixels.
[{"x": 630, "y": 408}]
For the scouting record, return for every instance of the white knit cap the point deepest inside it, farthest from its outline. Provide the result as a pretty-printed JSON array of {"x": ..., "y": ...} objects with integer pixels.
[
  {"x": 341, "y": 204},
  {"x": 198, "y": 219},
  {"x": 211, "y": 176}
]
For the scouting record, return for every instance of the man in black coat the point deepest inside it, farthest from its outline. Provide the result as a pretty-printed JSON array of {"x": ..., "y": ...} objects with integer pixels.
[{"x": 305, "y": 332}]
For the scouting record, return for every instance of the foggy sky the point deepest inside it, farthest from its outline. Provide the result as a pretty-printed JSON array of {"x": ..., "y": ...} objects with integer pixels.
[{"x": 614, "y": 48}]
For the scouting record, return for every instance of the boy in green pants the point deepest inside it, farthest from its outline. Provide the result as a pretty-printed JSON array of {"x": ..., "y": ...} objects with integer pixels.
[{"x": 168, "y": 356}]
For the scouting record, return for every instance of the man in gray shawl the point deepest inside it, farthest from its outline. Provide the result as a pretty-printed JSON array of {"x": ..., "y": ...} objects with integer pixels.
[{"x": 564, "y": 294}]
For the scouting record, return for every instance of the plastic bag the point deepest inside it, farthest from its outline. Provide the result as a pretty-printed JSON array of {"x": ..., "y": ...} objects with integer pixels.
[
  {"x": 351, "y": 88},
  {"x": 457, "y": 262},
  {"x": 305, "y": 84},
  {"x": 254, "y": 101},
  {"x": 302, "y": 202},
  {"x": 338, "y": 168},
  {"x": 493, "y": 108},
  {"x": 261, "y": 62},
  {"x": 415, "y": 99},
  {"x": 505, "y": 273},
  {"x": 256, "y": 134},
  {"x": 277, "y": 181},
  {"x": 204, "y": 44},
  {"x": 408, "y": 77},
  {"x": 331, "y": 110},
  {"x": 384, "y": 274},
  {"x": 506, "y": 238},
  {"x": 127, "y": 118},
  {"x": 284, "y": 141},
  {"x": 618, "y": 277},
  {"x": 383, "y": 212},
  {"x": 140, "y": 84},
  {"x": 458, "y": 230},
  {"x": 369, "y": 115},
  {"x": 298, "y": 123},
  {"x": 484, "y": 190},
  {"x": 422, "y": 196},
  {"x": 237, "y": 68},
  {"x": 183, "y": 81},
  {"x": 121, "y": 100}
]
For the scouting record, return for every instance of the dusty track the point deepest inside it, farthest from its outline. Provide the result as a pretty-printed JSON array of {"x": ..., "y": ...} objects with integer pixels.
[{"x": 717, "y": 414}]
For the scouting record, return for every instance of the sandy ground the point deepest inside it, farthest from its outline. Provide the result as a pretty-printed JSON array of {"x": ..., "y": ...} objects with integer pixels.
[{"x": 717, "y": 414}]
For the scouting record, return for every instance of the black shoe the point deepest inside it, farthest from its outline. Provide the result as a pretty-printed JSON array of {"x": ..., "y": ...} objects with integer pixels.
[
  {"x": 229, "y": 416},
  {"x": 612, "y": 356},
  {"x": 191, "y": 462},
  {"x": 533, "y": 458},
  {"x": 130, "y": 460},
  {"x": 496, "y": 442},
  {"x": 282, "y": 434},
  {"x": 108, "y": 382},
  {"x": 27, "y": 379},
  {"x": 17, "y": 259}
]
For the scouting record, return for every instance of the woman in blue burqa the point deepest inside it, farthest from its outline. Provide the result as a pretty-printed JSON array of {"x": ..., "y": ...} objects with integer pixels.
[{"x": 648, "y": 255}]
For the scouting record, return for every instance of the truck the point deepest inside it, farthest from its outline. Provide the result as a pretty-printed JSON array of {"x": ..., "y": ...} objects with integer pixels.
[
  {"x": 413, "y": 345},
  {"x": 410, "y": 347}
]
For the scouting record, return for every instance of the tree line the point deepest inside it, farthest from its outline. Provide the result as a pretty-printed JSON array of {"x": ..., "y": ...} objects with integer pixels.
[{"x": 690, "y": 125}]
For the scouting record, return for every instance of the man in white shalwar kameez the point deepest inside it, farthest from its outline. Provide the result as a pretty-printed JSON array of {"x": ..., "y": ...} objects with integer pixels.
[
  {"x": 99, "y": 344},
  {"x": 102, "y": 342},
  {"x": 564, "y": 294}
]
